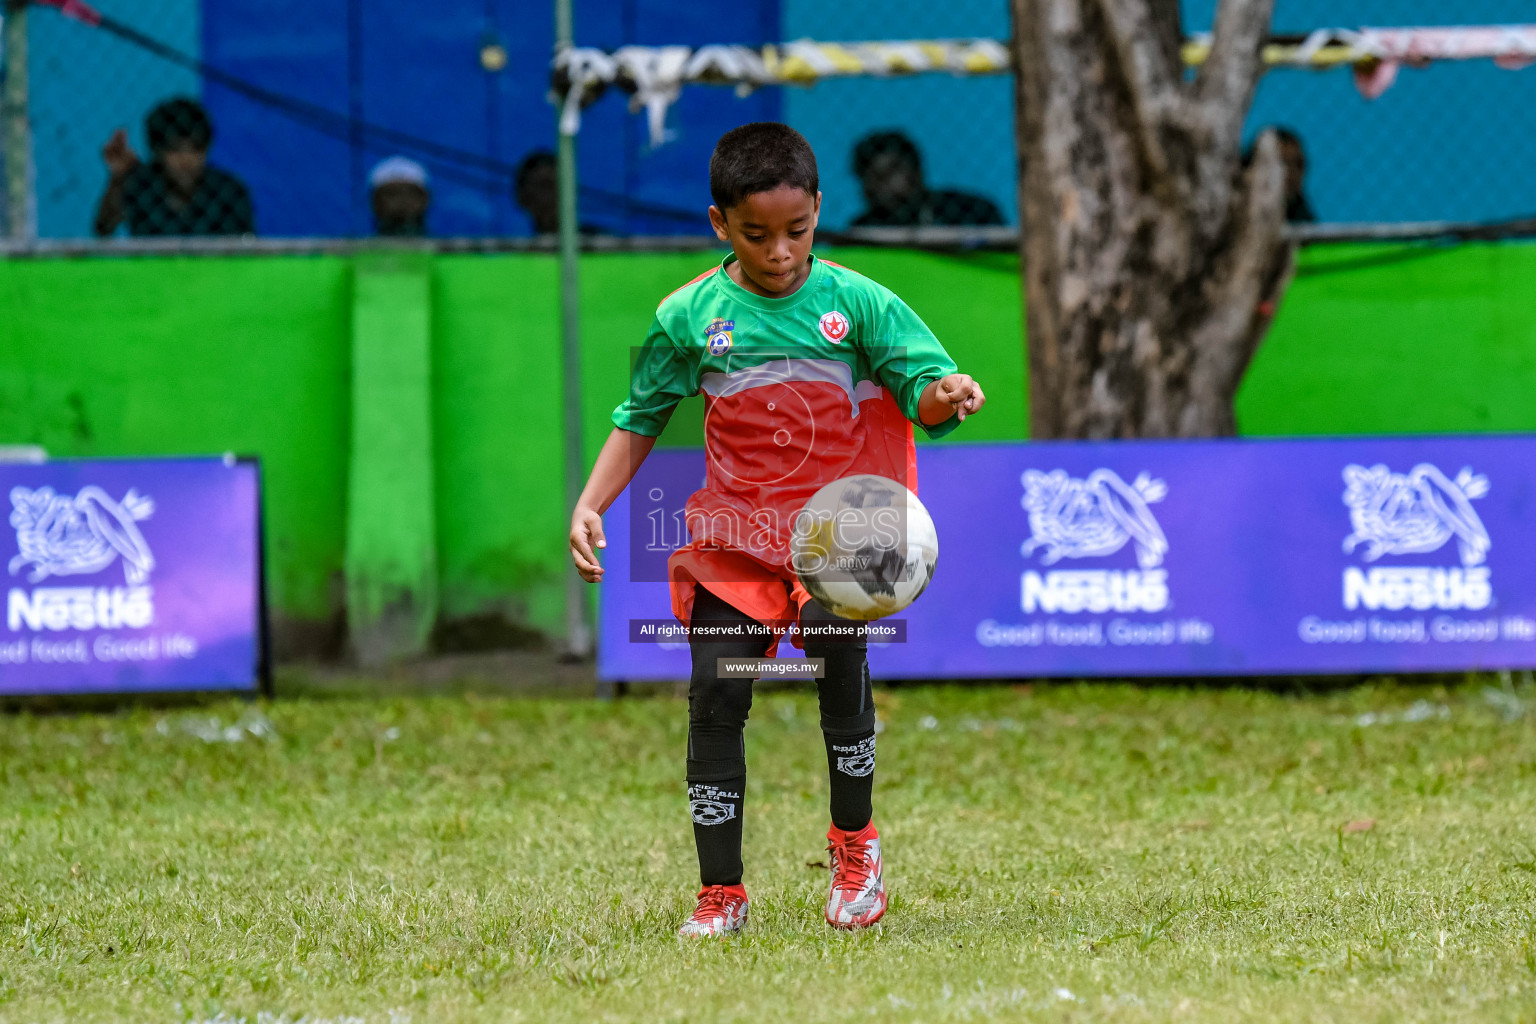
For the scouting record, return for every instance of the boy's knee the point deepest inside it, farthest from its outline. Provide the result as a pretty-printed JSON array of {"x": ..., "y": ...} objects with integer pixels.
[
  {"x": 716, "y": 701},
  {"x": 843, "y": 659},
  {"x": 845, "y": 663}
]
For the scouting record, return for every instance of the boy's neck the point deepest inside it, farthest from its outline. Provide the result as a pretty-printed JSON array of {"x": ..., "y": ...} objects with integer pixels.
[{"x": 735, "y": 273}]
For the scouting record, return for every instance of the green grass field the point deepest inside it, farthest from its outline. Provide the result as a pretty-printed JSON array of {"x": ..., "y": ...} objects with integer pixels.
[{"x": 1060, "y": 853}]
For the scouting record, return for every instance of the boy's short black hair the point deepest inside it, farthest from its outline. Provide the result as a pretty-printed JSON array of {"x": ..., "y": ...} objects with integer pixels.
[
  {"x": 760, "y": 157},
  {"x": 178, "y": 120}
]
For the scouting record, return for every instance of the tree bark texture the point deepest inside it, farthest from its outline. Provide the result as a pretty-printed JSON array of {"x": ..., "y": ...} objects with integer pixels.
[{"x": 1153, "y": 258}]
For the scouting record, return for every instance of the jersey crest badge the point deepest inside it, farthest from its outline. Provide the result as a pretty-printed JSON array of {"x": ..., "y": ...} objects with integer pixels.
[
  {"x": 834, "y": 326},
  {"x": 717, "y": 336}
]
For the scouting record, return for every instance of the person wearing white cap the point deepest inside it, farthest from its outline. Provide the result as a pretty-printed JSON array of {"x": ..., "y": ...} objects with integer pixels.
[{"x": 400, "y": 197}]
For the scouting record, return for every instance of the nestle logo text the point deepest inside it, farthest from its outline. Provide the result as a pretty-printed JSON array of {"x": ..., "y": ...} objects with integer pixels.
[
  {"x": 1095, "y": 590},
  {"x": 1419, "y": 588},
  {"x": 61, "y": 608}
]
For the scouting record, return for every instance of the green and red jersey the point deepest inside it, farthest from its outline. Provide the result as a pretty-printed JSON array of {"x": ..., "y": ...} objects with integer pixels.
[{"x": 799, "y": 391}]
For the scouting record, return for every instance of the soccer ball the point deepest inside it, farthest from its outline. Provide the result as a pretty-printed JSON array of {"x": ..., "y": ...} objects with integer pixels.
[{"x": 864, "y": 546}]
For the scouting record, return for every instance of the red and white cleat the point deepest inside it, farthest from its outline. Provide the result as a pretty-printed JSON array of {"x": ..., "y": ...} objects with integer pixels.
[
  {"x": 857, "y": 899},
  {"x": 722, "y": 911}
]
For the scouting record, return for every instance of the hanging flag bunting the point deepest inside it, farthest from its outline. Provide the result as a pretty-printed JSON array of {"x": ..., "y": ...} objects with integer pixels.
[{"x": 653, "y": 76}]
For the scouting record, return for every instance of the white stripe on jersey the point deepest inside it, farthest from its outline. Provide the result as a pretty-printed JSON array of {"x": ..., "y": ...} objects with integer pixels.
[{"x": 784, "y": 370}]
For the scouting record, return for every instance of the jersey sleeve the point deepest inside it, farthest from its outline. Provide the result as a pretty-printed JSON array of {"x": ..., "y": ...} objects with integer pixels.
[
  {"x": 906, "y": 358},
  {"x": 662, "y": 376}
]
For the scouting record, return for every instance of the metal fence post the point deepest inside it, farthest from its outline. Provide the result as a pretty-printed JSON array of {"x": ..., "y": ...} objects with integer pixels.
[
  {"x": 20, "y": 210},
  {"x": 578, "y": 630}
]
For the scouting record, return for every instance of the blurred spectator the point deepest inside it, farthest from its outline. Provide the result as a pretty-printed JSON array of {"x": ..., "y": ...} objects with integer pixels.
[
  {"x": 1294, "y": 158},
  {"x": 538, "y": 191},
  {"x": 890, "y": 169},
  {"x": 177, "y": 192},
  {"x": 1292, "y": 153},
  {"x": 400, "y": 197}
]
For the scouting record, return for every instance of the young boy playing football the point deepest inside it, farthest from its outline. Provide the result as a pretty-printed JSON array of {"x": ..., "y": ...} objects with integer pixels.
[{"x": 810, "y": 373}]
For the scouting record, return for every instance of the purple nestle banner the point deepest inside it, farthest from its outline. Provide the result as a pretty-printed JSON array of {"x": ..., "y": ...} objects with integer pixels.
[
  {"x": 1172, "y": 557},
  {"x": 130, "y": 576}
]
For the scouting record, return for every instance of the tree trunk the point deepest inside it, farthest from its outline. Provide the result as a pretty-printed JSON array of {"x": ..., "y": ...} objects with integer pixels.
[{"x": 1153, "y": 258}]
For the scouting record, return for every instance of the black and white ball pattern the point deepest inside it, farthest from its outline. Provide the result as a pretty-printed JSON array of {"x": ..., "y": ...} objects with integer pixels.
[{"x": 865, "y": 547}]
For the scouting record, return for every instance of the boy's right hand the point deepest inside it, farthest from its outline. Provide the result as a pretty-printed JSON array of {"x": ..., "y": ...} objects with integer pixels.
[{"x": 587, "y": 534}]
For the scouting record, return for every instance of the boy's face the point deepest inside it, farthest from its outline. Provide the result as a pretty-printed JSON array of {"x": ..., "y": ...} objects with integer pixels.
[{"x": 771, "y": 234}]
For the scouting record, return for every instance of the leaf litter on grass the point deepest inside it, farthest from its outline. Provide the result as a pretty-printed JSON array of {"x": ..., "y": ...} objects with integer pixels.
[{"x": 251, "y": 724}]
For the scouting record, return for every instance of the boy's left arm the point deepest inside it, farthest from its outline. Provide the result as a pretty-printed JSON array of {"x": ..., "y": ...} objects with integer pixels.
[{"x": 915, "y": 368}]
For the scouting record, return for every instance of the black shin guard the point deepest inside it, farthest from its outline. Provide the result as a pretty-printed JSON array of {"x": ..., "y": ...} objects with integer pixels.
[
  {"x": 851, "y": 768},
  {"x": 715, "y": 799}
]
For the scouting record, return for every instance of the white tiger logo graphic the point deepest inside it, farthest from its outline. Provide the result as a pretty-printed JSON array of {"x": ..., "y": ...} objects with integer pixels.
[
  {"x": 1413, "y": 512},
  {"x": 1094, "y": 516}
]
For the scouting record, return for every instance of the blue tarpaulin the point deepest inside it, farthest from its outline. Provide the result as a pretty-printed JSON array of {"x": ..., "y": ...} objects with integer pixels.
[{"x": 418, "y": 70}]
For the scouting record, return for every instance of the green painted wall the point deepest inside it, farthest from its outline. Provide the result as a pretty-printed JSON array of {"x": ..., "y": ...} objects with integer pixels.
[
  {"x": 159, "y": 356},
  {"x": 1400, "y": 339},
  {"x": 496, "y": 415},
  {"x": 195, "y": 356},
  {"x": 391, "y": 556}
]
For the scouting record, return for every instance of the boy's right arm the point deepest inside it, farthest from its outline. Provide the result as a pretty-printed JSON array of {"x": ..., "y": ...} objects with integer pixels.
[
  {"x": 616, "y": 466},
  {"x": 661, "y": 377}
]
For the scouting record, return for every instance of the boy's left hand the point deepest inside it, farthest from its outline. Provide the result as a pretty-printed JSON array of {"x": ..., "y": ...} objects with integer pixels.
[{"x": 954, "y": 395}]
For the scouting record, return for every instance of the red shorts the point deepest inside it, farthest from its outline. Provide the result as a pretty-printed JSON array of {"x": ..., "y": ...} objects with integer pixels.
[{"x": 769, "y": 594}]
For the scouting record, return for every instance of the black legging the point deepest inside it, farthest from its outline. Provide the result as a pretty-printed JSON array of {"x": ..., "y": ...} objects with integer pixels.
[{"x": 717, "y": 718}]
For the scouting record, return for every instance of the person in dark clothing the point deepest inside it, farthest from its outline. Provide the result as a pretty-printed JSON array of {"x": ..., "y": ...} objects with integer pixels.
[
  {"x": 400, "y": 194},
  {"x": 890, "y": 169},
  {"x": 537, "y": 191},
  {"x": 1297, "y": 209},
  {"x": 536, "y": 188},
  {"x": 177, "y": 192}
]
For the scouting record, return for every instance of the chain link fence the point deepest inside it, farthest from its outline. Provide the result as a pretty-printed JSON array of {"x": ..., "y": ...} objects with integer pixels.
[
  {"x": 364, "y": 117},
  {"x": 1448, "y": 142},
  {"x": 83, "y": 87},
  {"x": 933, "y": 149}
]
